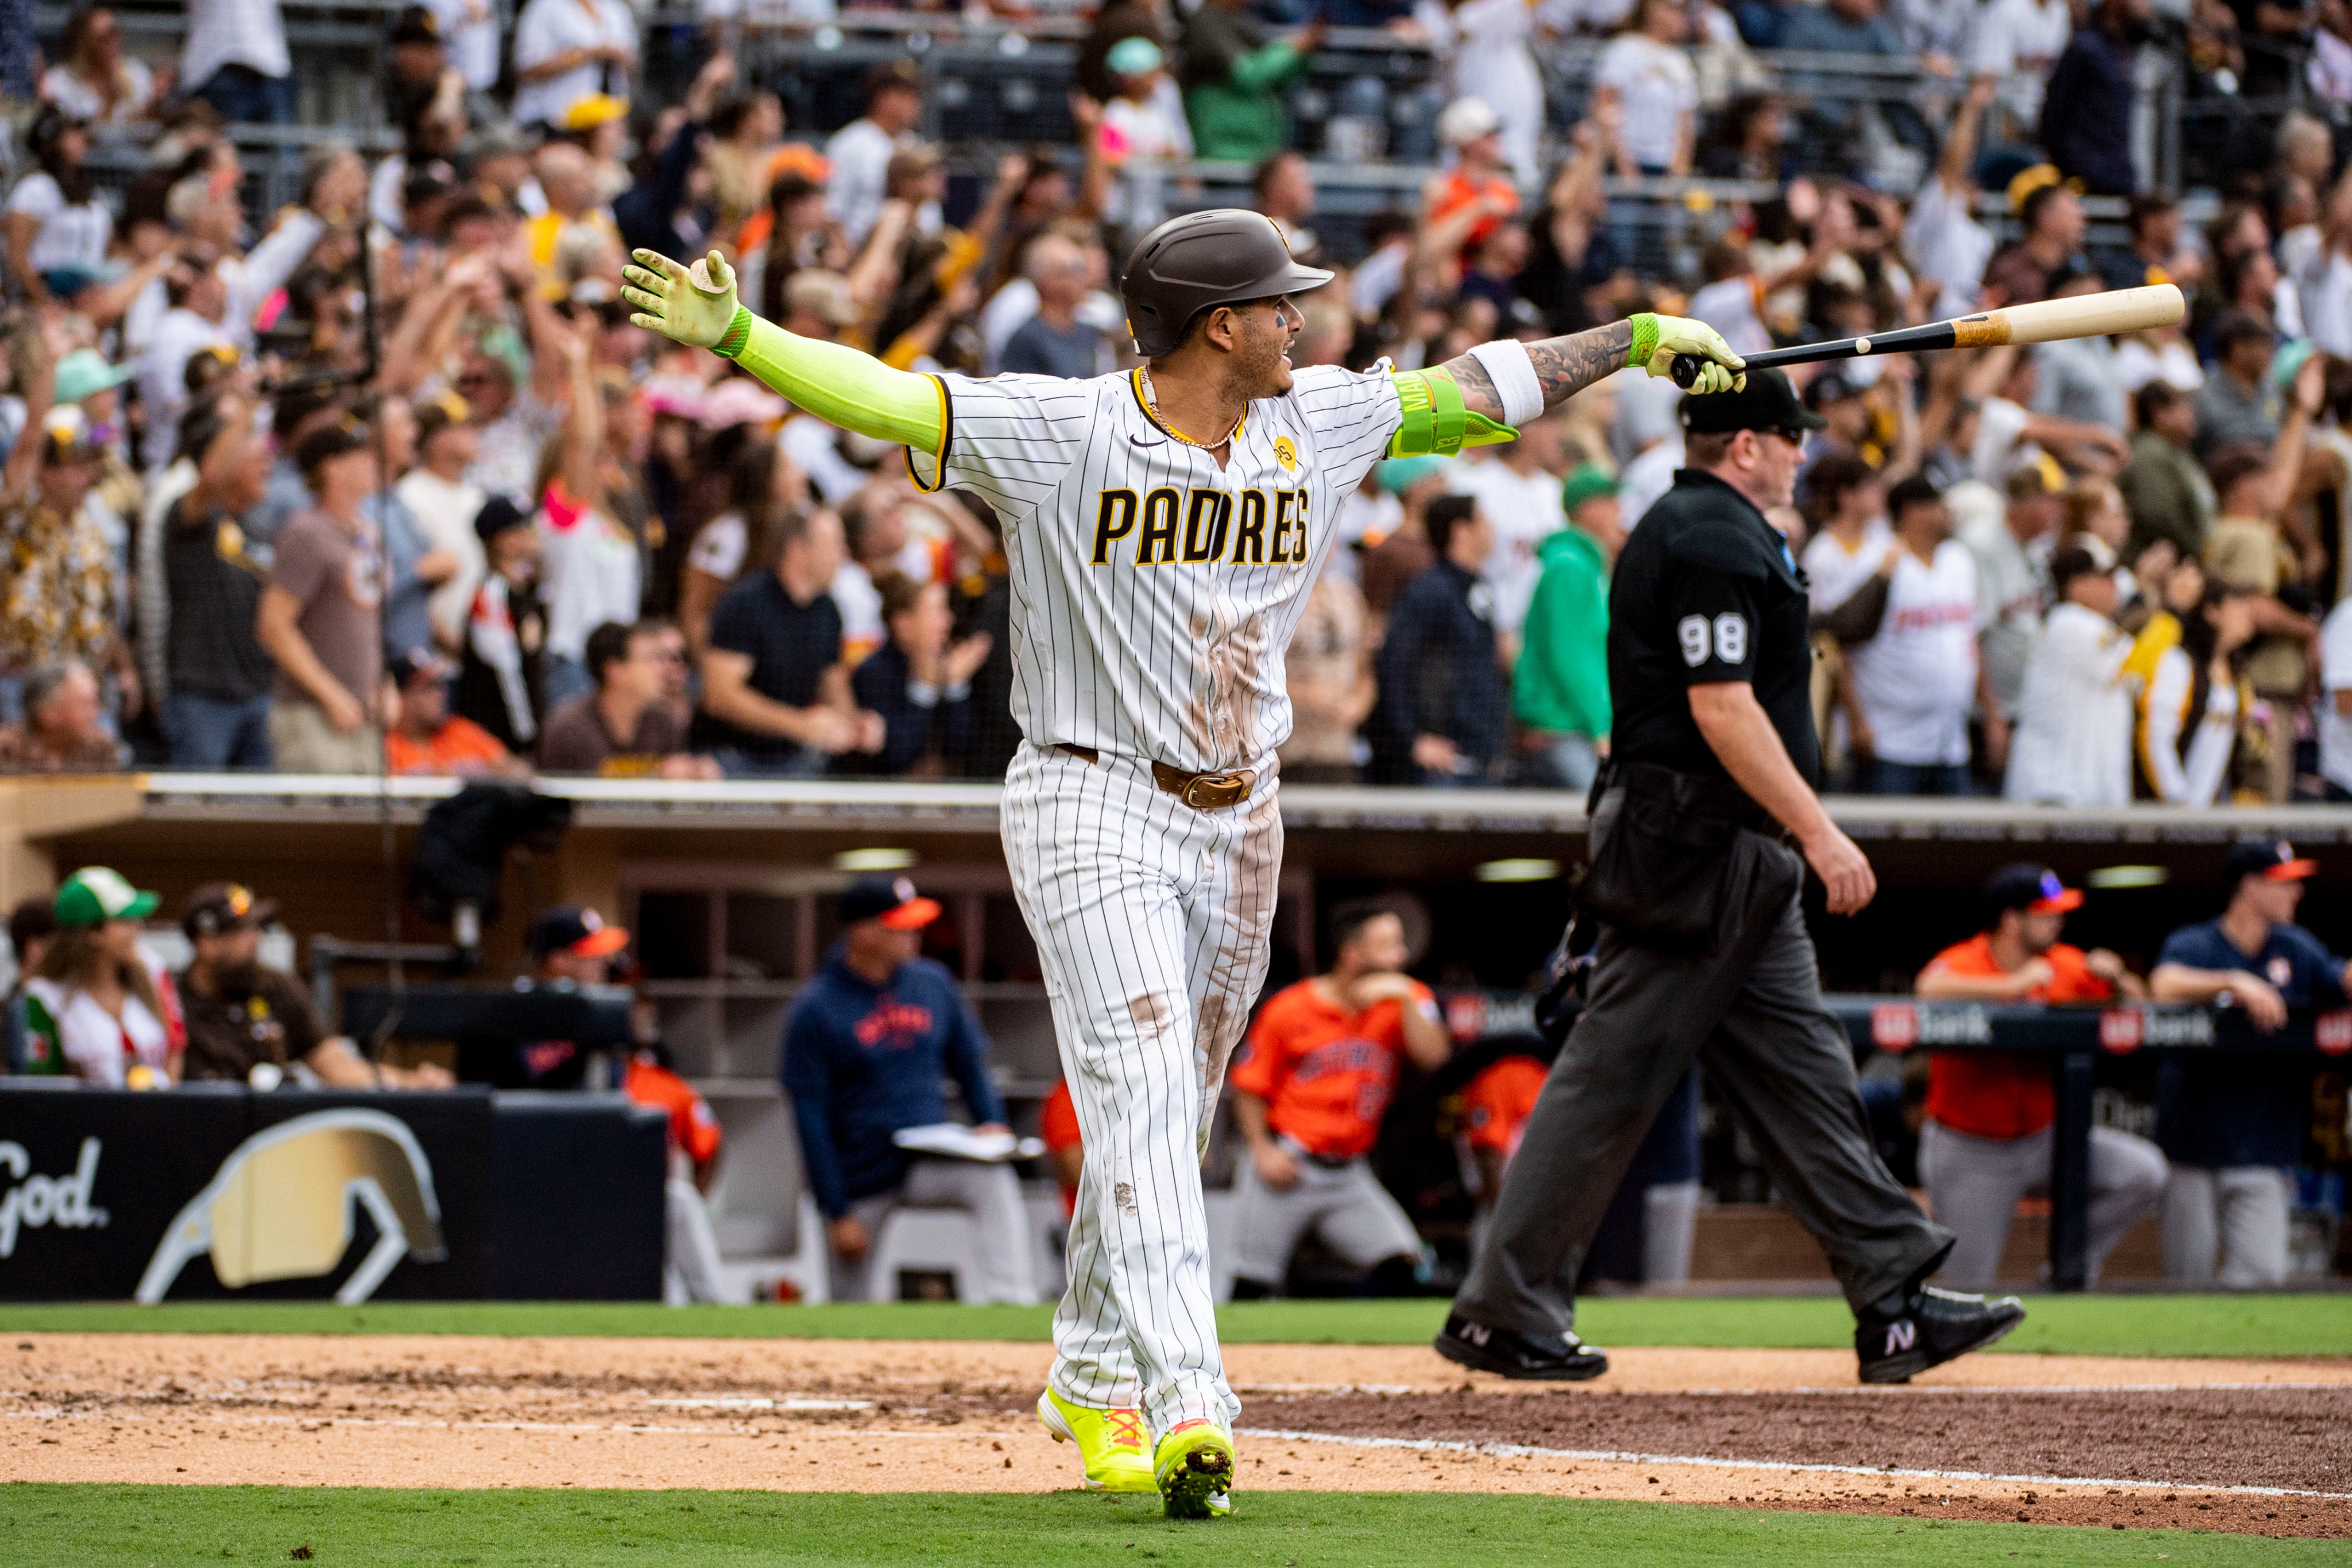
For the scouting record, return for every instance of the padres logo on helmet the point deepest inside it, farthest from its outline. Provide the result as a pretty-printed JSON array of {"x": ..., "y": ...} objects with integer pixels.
[
  {"x": 1226, "y": 255},
  {"x": 280, "y": 1207}
]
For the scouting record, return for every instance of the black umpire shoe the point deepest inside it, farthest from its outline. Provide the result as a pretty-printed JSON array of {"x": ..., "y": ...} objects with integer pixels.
[
  {"x": 1910, "y": 1331},
  {"x": 1547, "y": 1358}
]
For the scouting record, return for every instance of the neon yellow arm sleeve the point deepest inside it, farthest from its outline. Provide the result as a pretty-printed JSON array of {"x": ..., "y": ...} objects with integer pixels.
[
  {"x": 840, "y": 385},
  {"x": 1436, "y": 422}
]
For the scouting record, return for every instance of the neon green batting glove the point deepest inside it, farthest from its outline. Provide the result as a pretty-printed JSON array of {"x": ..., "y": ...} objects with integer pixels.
[
  {"x": 695, "y": 305},
  {"x": 1659, "y": 339}
]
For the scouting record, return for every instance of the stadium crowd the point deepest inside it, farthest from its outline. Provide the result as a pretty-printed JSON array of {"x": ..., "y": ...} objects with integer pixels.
[{"x": 386, "y": 479}]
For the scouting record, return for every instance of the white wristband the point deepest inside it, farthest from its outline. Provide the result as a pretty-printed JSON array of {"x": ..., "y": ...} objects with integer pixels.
[{"x": 1506, "y": 363}]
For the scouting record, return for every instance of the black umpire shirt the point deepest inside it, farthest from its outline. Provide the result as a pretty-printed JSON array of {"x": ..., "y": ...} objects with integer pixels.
[{"x": 1707, "y": 591}]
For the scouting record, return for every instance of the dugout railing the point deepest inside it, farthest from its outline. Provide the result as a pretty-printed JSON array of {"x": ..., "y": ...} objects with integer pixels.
[{"x": 2073, "y": 1039}]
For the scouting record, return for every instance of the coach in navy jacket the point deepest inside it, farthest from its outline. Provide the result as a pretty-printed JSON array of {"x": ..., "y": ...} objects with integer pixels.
[{"x": 865, "y": 1049}]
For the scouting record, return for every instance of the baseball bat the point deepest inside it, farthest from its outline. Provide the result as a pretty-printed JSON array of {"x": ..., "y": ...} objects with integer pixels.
[{"x": 2045, "y": 321}]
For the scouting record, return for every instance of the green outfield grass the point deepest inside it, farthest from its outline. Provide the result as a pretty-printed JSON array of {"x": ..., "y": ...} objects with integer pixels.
[
  {"x": 90, "y": 1525},
  {"x": 2300, "y": 1326}
]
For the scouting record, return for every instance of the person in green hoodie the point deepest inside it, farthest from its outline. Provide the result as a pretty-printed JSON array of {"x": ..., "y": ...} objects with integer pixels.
[
  {"x": 1560, "y": 689},
  {"x": 1233, "y": 73}
]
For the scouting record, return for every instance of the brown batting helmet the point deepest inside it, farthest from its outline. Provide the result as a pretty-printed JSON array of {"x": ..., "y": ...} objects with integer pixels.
[{"x": 1221, "y": 257}]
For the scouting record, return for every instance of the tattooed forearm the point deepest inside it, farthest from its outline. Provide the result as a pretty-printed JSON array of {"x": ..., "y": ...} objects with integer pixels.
[{"x": 1564, "y": 367}]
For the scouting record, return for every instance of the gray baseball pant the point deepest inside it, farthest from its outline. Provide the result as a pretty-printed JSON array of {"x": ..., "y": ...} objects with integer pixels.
[
  {"x": 1002, "y": 1249},
  {"x": 1345, "y": 1205},
  {"x": 1975, "y": 1183},
  {"x": 1750, "y": 1011}
]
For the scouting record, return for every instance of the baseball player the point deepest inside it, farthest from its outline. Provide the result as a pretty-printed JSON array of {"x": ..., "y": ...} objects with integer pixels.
[
  {"x": 1309, "y": 1091},
  {"x": 1163, "y": 526}
]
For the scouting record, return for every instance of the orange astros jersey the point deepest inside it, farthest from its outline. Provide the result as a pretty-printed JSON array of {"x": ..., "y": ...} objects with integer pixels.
[{"x": 1326, "y": 1074}]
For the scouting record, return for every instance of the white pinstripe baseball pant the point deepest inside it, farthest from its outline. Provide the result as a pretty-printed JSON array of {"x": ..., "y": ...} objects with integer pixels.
[{"x": 1152, "y": 920}]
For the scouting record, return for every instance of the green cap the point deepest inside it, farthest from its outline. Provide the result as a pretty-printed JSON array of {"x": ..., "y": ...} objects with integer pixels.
[
  {"x": 84, "y": 373},
  {"x": 96, "y": 894},
  {"x": 1399, "y": 474},
  {"x": 1587, "y": 482}
]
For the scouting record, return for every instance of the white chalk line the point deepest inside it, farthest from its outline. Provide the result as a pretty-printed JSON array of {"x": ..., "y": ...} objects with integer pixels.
[
  {"x": 1525, "y": 1451},
  {"x": 320, "y": 1423}
]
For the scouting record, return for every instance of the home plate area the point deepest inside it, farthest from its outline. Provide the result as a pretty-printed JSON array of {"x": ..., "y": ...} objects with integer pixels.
[{"x": 2237, "y": 1446}]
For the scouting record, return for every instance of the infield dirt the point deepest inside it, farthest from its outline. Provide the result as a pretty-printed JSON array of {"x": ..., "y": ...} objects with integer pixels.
[{"x": 2222, "y": 1445}]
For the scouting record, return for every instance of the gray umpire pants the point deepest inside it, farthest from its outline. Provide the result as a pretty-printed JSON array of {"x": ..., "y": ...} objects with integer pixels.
[{"x": 1750, "y": 1011}]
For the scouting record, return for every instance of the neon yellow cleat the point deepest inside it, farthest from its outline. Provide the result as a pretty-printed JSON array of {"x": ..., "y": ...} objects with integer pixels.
[
  {"x": 1194, "y": 1467},
  {"x": 1111, "y": 1442}
]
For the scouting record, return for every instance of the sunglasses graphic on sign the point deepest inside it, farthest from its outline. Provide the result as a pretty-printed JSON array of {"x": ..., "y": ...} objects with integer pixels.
[{"x": 280, "y": 1207}]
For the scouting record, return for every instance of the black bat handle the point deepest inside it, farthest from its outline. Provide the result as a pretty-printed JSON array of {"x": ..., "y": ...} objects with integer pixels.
[{"x": 1902, "y": 340}]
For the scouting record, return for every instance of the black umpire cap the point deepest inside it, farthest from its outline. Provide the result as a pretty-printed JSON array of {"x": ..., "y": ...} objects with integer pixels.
[
  {"x": 1766, "y": 403},
  {"x": 1221, "y": 256}
]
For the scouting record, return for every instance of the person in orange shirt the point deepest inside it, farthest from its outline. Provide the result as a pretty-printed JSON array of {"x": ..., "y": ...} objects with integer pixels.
[
  {"x": 1057, "y": 1125},
  {"x": 1310, "y": 1087},
  {"x": 1987, "y": 1139},
  {"x": 427, "y": 737}
]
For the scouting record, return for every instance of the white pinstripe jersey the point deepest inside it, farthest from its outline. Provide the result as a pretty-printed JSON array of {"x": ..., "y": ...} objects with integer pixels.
[{"x": 1154, "y": 594}]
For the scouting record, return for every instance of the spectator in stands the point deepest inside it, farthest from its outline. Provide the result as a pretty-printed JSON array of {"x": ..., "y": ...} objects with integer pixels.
[
  {"x": 93, "y": 80},
  {"x": 1310, "y": 1086},
  {"x": 426, "y": 739},
  {"x": 1918, "y": 672},
  {"x": 216, "y": 703},
  {"x": 774, "y": 683},
  {"x": 58, "y": 599},
  {"x": 626, "y": 728},
  {"x": 763, "y": 485},
  {"x": 2089, "y": 93},
  {"x": 2233, "y": 1124},
  {"x": 319, "y": 618},
  {"x": 2072, "y": 746},
  {"x": 445, "y": 503},
  {"x": 99, "y": 1007},
  {"x": 417, "y": 569},
  {"x": 592, "y": 519},
  {"x": 234, "y": 58},
  {"x": 243, "y": 1017},
  {"x": 2238, "y": 402},
  {"x": 1519, "y": 482},
  {"x": 2014, "y": 43},
  {"x": 64, "y": 728},
  {"x": 1443, "y": 700},
  {"x": 2051, "y": 245},
  {"x": 2165, "y": 488},
  {"x": 2196, "y": 704},
  {"x": 1055, "y": 341},
  {"x": 2079, "y": 378},
  {"x": 1646, "y": 91},
  {"x": 58, "y": 231},
  {"x": 1328, "y": 670},
  {"x": 2335, "y": 713},
  {"x": 1988, "y": 1140},
  {"x": 32, "y": 925},
  {"x": 567, "y": 50},
  {"x": 859, "y": 154},
  {"x": 1840, "y": 27},
  {"x": 215, "y": 298},
  {"x": 1559, "y": 687},
  {"x": 1284, "y": 188},
  {"x": 2007, "y": 546},
  {"x": 1234, "y": 71},
  {"x": 2248, "y": 549},
  {"x": 919, "y": 682},
  {"x": 499, "y": 682},
  {"x": 866, "y": 1046}
]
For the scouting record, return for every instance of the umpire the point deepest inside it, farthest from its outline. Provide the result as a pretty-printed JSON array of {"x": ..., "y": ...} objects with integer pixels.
[{"x": 1703, "y": 950}]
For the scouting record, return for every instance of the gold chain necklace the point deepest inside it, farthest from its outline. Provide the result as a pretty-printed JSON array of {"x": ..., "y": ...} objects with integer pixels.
[{"x": 1151, "y": 405}]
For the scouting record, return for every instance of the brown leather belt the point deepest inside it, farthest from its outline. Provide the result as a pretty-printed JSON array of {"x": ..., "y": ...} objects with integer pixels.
[{"x": 1202, "y": 791}]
